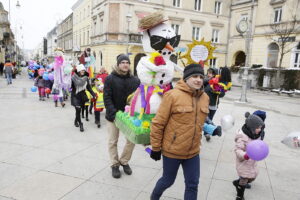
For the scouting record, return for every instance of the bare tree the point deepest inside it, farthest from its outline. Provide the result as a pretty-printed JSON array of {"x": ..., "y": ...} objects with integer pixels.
[
  {"x": 284, "y": 34},
  {"x": 281, "y": 34}
]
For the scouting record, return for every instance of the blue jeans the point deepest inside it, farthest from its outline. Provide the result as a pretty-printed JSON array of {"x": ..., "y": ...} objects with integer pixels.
[
  {"x": 191, "y": 172},
  {"x": 9, "y": 78}
]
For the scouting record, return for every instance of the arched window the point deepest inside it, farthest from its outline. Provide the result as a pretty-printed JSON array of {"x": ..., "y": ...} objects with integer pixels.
[
  {"x": 100, "y": 59},
  {"x": 240, "y": 58},
  {"x": 273, "y": 51}
]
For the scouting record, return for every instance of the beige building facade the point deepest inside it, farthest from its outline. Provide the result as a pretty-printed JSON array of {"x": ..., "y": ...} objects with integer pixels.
[
  {"x": 114, "y": 27},
  {"x": 264, "y": 43},
  {"x": 81, "y": 25},
  {"x": 65, "y": 37},
  {"x": 7, "y": 40}
]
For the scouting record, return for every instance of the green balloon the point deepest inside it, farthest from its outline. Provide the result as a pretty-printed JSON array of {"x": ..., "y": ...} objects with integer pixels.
[{"x": 67, "y": 70}]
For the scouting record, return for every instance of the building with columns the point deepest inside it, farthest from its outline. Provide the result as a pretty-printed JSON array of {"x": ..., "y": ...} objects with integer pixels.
[
  {"x": 114, "y": 27},
  {"x": 51, "y": 44},
  {"x": 81, "y": 26},
  {"x": 65, "y": 37},
  {"x": 7, "y": 40},
  {"x": 264, "y": 43}
]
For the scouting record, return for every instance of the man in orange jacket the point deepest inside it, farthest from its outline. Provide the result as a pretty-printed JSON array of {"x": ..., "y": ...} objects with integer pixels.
[{"x": 176, "y": 132}]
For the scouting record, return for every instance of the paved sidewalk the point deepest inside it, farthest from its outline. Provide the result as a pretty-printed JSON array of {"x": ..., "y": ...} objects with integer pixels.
[{"x": 44, "y": 157}]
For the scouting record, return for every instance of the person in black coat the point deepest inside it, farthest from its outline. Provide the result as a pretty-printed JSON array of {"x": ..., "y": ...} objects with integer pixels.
[
  {"x": 80, "y": 82},
  {"x": 118, "y": 86},
  {"x": 1, "y": 68},
  {"x": 213, "y": 97}
]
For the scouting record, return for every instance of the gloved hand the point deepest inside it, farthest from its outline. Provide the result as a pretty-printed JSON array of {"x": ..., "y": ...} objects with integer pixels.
[
  {"x": 155, "y": 155},
  {"x": 246, "y": 157}
]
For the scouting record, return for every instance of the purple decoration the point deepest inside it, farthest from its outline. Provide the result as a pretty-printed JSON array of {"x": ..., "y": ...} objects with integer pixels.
[
  {"x": 55, "y": 97},
  {"x": 51, "y": 77},
  {"x": 148, "y": 150},
  {"x": 257, "y": 150},
  {"x": 143, "y": 103}
]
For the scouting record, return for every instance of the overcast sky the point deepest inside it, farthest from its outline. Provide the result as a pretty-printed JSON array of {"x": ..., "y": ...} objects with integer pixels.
[{"x": 37, "y": 18}]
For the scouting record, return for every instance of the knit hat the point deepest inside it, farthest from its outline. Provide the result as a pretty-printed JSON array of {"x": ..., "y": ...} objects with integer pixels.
[
  {"x": 261, "y": 114},
  {"x": 122, "y": 57},
  {"x": 80, "y": 68},
  {"x": 191, "y": 70},
  {"x": 253, "y": 122}
]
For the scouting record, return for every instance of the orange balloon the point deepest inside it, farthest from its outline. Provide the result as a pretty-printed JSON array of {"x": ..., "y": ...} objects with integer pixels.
[{"x": 47, "y": 90}]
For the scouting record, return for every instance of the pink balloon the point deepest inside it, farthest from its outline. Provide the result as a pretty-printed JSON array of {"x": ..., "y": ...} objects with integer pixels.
[
  {"x": 257, "y": 150},
  {"x": 127, "y": 108}
]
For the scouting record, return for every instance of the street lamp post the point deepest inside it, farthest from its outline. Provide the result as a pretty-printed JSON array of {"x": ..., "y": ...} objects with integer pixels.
[
  {"x": 128, "y": 17},
  {"x": 18, "y": 6},
  {"x": 243, "y": 98}
]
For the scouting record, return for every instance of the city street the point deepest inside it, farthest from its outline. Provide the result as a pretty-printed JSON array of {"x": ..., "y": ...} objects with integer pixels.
[{"x": 43, "y": 156}]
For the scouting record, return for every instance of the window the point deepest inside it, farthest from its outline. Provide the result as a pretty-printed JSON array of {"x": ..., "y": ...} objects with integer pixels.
[
  {"x": 176, "y": 3},
  {"x": 273, "y": 52},
  {"x": 95, "y": 28},
  {"x": 79, "y": 39},
  {"x": 215, "y": 36},
  {"x": 83, "y": 39},
  {"x": 277, "y": 16},
  {"x": 176, "y": 28},
  {"x": 101, "y": 25},
  {"x": 218, "y": 7},
  {"x": 197, "y": 5},
  {"x": 296, "y": 55},
  {"x": 213, "y": 62},
  {"x": 196, "y": 33},
  {"x": 88, "y": 37}
]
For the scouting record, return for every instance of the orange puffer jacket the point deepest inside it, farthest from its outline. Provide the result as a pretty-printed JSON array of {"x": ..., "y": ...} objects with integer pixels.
[{"x": 177, "y": 127}]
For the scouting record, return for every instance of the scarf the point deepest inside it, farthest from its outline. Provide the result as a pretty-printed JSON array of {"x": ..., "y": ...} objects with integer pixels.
[
  {"x": 248, "y": 132},
  {"x": 79, "y": 82}
]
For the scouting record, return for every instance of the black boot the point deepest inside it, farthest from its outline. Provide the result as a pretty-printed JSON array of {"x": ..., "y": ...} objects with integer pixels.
[
  {"x": 207, "y": 137},
  {"x": 81, "y": 127},
  {"x": 116, "y": 172},
  {"x": 98, "y": 124},
  {"x": 87, "y": 119},
  {"x": 127, "y": 169},
  {"x": 76, "y": 123},
  {"x": 248, "y": 186},
  {"x": 240, "y": 189},
  {"x": 218, "y": 131}
]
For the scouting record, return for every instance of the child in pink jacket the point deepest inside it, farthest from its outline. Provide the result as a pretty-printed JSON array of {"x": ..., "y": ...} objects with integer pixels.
[{"x": 246, "y": 167}]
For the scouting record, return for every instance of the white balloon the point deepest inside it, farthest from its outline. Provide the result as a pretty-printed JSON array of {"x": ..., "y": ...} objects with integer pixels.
[
  {"x": 227, "y": 122},
  {"x": 292, "y": 140}
]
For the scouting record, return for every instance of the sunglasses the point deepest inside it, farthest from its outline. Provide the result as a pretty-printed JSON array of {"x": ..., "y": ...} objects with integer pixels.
[{"x": 159, "y": 43}]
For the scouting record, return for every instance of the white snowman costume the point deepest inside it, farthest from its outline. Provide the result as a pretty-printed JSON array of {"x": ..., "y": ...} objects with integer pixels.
[{"x": 152, "y": 76}]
